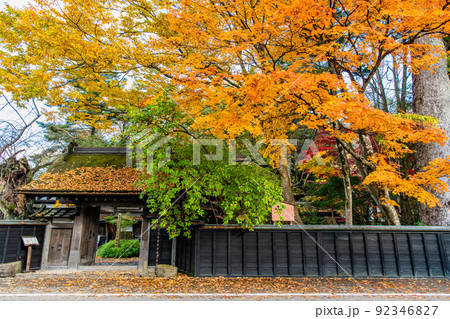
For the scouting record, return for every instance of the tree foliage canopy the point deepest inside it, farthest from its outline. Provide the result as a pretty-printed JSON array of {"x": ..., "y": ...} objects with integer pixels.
[{"x": 238, "y": 67}]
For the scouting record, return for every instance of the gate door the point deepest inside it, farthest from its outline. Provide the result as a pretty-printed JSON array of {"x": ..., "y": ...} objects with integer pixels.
[{"x": 58, "y": 254}]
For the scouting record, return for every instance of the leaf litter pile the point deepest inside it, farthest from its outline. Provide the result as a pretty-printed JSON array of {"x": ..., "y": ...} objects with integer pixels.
[{"x": 129, "y": 282}]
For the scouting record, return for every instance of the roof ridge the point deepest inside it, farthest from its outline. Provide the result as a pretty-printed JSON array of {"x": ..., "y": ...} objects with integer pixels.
[{"x": 100, "y": 150}]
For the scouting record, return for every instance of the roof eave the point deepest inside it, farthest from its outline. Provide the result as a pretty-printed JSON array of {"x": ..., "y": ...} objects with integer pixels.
[{"x": 72, "y": 192}]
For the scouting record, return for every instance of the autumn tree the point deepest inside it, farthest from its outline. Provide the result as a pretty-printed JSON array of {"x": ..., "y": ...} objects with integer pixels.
[
  {"x": 242, "y": 67},
  {"x": 260, "y": 60}
]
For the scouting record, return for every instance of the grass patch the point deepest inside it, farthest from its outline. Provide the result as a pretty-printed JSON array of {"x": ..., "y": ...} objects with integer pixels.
[{"x": 127, "y": 249}]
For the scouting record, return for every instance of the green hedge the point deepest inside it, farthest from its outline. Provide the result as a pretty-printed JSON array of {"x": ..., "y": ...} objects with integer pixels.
[{"x": 126, "y": 249}]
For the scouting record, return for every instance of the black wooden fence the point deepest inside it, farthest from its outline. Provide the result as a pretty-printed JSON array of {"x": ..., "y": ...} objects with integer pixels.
[
  {"x": 329, "y": 251},
  {"x": 161, "y": 247},
  {"x": 11, "y": 246}
]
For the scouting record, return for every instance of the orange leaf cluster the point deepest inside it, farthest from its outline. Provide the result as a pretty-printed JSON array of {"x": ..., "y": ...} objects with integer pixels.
[{"x": 417, "y": 186}]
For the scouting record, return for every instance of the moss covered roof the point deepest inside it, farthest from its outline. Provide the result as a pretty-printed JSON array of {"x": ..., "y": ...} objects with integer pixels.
[{"x": 88, "y": 159}]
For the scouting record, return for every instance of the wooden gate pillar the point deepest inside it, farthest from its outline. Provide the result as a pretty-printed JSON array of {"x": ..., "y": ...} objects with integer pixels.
[
  {"x": 88, "y": 248},
  {"x": 45, "y": 248},
  {"x": 145, "y": 244},
  {"x": 84, "y": 237},
  {"x": 173, "y": 257},
  {"x": 77, "y": 235}
]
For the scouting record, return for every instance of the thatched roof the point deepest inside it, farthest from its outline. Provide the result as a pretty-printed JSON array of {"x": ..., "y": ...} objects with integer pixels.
[{"x": 91, "y": 170}]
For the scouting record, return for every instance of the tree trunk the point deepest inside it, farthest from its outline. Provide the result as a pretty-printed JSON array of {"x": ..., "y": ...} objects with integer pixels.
[
  {"x": 14, "y": 174},
  {"x": 431, "y": 91},
  {"x": 407, "y": 216},
  {"x": 347, "y": 185},
  {"x": 3, "y": 208},
  {"x": 391, "y": 211},
  {"x": 387, "y": 209},
  {"x": 288, "y": 196}
]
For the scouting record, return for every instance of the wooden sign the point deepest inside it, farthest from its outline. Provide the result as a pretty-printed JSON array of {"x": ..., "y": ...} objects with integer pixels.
[
  {"x": 286, "y": 215},
  {"x": 30, "y": 241}
]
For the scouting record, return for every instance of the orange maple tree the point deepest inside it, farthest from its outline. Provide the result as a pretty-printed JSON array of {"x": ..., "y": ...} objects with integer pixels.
[{"x": 269, "y": 67}]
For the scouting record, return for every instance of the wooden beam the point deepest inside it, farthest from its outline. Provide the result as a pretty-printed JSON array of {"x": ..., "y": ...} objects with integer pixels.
[
  {"x": 118, "y": 229},
  {"x": 5, "y": 245},
  {"x": 75, "y": 245},
  {"x": 29, "y": 252},
  {"x": 90, "y": 235},
  {"x": 46, "y": 245},
  {"x": 173, "y": 256},
  {"x": 145, "y": 244},
  {"x": 19, "y": 247}
]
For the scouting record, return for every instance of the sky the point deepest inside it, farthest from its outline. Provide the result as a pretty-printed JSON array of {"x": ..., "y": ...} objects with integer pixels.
[{"x": 14, "y": 3}]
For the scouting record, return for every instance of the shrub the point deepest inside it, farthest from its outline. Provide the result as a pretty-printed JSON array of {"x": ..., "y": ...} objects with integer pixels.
[{"x": 126, "y": 249}]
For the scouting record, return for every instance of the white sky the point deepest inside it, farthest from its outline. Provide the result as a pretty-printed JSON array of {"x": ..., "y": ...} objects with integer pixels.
[{"x": 15, "y": 3}]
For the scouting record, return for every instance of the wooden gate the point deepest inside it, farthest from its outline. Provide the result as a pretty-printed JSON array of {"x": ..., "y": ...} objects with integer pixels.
[{"x": 58, "y": 254}]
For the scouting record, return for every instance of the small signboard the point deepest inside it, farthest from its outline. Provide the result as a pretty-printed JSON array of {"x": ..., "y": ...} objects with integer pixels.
[
  {"x": 286, "y": 215},
  {"x": 30, "y": 241}
]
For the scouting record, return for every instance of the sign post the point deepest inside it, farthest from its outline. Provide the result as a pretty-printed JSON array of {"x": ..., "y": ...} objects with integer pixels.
[
  {"x": 29, "y": 241},
  {"x": 119, "y": 227}
]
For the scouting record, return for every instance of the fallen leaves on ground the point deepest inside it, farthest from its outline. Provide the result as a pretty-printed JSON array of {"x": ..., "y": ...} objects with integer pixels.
[{"x": 126, "y": 282}]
